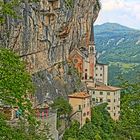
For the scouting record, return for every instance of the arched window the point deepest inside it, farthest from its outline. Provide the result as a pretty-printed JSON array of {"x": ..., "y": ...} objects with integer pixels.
[{"x": 91, "y": 49}]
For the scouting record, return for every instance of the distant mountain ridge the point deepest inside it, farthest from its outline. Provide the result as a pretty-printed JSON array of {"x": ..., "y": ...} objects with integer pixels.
[
  {"x": 117, "y": 44},
  {"x": 115, "y": 26}
]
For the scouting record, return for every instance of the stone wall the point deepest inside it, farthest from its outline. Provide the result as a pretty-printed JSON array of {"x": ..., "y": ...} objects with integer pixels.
[{"x": 51, "y": 122}]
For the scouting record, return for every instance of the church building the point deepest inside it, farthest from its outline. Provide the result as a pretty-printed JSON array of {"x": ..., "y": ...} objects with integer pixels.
[{"x": 95, "y": 75}]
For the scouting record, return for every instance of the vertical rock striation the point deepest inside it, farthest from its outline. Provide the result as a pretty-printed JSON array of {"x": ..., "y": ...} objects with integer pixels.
[{"x": 44, "y": 35}]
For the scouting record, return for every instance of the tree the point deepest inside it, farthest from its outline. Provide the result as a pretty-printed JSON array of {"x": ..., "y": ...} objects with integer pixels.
[
  {"x": 15, "y": 83},
  {"x": 100, "y": 127},
  {"x": 72, "y": 132},
  {"x": 8, "y": 8},
  {"x": 15, "y": 88},
  {"x": 62, "y": 106},
  {"x": 130, "y": 107}
]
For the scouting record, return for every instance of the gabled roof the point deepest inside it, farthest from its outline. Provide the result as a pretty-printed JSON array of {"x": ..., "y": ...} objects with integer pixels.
[
  {"x": 78, "y": 51},
  {"x": 106, "y": 88},
  {"x": 79, "y": 95}
]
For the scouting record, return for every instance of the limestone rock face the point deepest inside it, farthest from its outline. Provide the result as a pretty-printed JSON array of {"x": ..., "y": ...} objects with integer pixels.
[{"x": 44, "y": 35}]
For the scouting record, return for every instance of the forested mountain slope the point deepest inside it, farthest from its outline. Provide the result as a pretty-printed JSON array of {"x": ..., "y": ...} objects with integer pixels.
[{"x": 120, "y": 47}]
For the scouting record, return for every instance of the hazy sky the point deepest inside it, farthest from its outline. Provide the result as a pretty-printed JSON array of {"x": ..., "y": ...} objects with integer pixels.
[{"x": 125, "y": 12}]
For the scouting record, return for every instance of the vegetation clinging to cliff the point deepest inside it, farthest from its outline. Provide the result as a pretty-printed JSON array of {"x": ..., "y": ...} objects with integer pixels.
[{"x": 69, "y": 3}]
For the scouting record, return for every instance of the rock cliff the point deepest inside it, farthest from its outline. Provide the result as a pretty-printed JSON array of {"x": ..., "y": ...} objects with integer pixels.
[{"x": 44, "y": 35}]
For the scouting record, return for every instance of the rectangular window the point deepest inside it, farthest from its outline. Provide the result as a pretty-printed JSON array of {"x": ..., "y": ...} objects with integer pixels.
[
  {"x": 93, "y": 99},
  {"x": 101, "y": 68},
  {"x": 90, "y": 77},
  {"x": 79, "y": 107},
  {"x": 108, "y": 108},
  {"x": 114, "y": 114},
  {"x": 93, "y": 92},
  {"x": 84, "y": 105},
  {"x": 114, "y": 100},
  {"x": 101, "y": 93},
  {"x": 84, "y": 114},
  {"x": 108, "y": 93},
  {"x": 85, "y": 76},
  {"x": 100, "y": 74},
  {"x": 87, "y": 113},
  {"x": 108, "y": 100},
  {"x": 96, "y": 100},
  {"x": 101, "y": 99}
]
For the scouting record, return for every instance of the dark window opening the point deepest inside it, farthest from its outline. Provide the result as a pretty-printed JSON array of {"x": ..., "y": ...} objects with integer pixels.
[
  {"x": 108, "y": 100},
  {"x": 108, "y": 108},
  {"x": 90, "y": 77},
  {"x": 84, "y": 114},
  {"x": 101, "y": 93},
  {"x": 101, "y": 99},
  {"x": 79, "y": 107},
  {"x": 85, "y": 75},
  {"x": 97, "y": 100},
  {"x": 108, "y": 93}
]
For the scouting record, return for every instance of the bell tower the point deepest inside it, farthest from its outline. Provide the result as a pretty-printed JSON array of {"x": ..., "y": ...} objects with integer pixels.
[{"x": 91, "y": 51}]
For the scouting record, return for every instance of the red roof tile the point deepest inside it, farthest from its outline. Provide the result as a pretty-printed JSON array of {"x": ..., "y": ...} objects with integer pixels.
[
  {"x": 79, "y": 95},
  {"x": 106, "y": 88}
]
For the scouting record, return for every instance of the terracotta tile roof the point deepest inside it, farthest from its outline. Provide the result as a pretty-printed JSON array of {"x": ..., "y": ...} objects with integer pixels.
[
  {"x": 79, "y": 95},
  {"x": 106, "y": 88}
]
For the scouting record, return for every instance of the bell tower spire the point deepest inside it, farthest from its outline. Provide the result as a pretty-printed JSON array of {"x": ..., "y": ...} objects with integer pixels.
[
  {"x": 91, "y": 55},
  {"x": 91, "y": 41}
]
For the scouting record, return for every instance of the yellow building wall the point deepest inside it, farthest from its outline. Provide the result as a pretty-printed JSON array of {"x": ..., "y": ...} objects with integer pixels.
[
  {"x": 85, "y": 109},
  {"x": 114, "y": 103}
]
